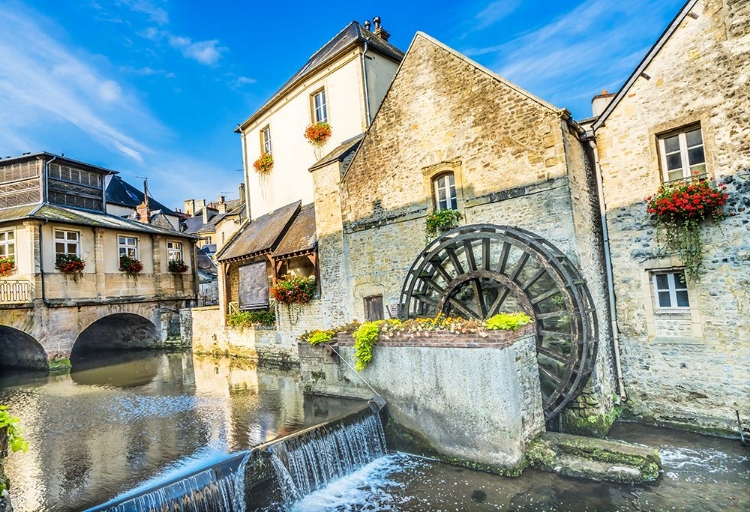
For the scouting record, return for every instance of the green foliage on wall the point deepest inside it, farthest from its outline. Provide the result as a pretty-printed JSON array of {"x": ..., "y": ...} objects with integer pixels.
[
  {"x": 365, "y": 338},
  {"x": 247, "y": 319},
  {"x": 318, "y": 337},
  {"x": 12, "y": 427},
  {"x": 507, "y": 321}
]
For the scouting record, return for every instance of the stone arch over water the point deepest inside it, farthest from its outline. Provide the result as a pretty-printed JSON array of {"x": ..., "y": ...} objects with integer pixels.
[
  {"x": 20, "y": 350},
  {"x": 480, "y": 270},
  {"x": 119, "y": 331}
]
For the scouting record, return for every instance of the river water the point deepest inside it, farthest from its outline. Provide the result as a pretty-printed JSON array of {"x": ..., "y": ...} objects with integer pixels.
[{"x": 127, "y": 419}]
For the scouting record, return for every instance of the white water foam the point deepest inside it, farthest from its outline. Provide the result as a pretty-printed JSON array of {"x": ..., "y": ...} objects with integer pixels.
[
  {"x": 367, "y": 489},
  {"x": 699, "y": 465}
]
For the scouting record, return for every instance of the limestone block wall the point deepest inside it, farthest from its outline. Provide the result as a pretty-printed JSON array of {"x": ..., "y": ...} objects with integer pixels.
[
  {"x": 473, "y": 398},
  {"x": 692, "y": 368}
]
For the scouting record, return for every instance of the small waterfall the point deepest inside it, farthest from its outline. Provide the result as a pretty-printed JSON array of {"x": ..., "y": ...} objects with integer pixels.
[
  {"x": 218, "y": 489},
  {"x": 313, "y": 459}
]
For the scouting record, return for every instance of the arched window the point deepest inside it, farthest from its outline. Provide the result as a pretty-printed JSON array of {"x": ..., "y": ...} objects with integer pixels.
[{"x": 444, "y": 191}]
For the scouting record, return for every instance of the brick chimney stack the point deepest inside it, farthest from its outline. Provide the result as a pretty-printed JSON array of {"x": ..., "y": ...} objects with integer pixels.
[{"x": 142, "y": 210}]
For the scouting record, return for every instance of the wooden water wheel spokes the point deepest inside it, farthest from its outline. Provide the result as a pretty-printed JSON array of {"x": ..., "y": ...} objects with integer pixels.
[{"x": 480, "y": 270}]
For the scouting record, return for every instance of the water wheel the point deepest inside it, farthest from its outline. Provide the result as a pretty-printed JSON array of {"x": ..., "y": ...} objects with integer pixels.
[{"x": 480, "y": 270}]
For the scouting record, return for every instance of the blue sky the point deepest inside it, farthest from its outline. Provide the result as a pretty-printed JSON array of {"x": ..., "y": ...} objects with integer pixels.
[{"x": 155, "y": 88}]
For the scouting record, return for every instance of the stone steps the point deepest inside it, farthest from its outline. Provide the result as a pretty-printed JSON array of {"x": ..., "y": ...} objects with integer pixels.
[{"x": 594, "y": 459}]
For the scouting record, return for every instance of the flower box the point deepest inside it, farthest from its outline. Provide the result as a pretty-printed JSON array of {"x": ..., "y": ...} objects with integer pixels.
[
  {"x": 131, "y": 266},
  {"x": 177, "y": 266},
  {"x": 294, "y": 290},
  {"x": 263, "y": 164},
  {"x": 318, "y": 134},
  {"x": 7, "y": 266}
]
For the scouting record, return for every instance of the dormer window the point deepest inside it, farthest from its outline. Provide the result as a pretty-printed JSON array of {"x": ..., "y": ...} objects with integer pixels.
[
  {"x": 265, "y": 140},
  {"x": 319, "y": 106},
  {"x": 444, "y": 190}
]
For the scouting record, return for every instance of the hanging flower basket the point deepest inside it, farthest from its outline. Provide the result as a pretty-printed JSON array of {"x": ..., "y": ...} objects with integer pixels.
[
  {"x": 70, "y": 264},
  {"x": 131, "y": 266},
  {"x": 679, "y": 209},
  {"x": 318, "y": 134},
  {"x": 7, "y": 266},
  {"x": 439, "y": 221},
  {"x": 177, "y": 266},
  {"x": 264, "y": 163},
  {"x": 294, "y": 290}
]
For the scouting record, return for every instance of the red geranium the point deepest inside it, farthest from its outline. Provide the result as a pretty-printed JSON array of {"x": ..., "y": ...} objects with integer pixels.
[
  {"x": 293, "y": 290},
  {"x": 318, "y": 133}
]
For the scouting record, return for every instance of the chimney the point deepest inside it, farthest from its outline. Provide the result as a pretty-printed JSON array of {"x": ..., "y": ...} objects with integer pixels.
[
  {"x": 141, "y": 212},
  {"x": 190, "y": 207},
  {"x": 379, "y": 30},
  {"x": 600, "y": 101},
  {"x": 199, "y": 204},
  {"x": 222, "y": 206},
  {"x": 205, "y": 215},
  {"x": 242, "y": 192}
]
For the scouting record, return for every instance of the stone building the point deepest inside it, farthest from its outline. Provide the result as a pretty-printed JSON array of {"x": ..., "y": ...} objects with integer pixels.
[
  {"x": 683, "y": 113},
  {"x": 53, "y": 207},
  {"x": 452, "y": 135}
]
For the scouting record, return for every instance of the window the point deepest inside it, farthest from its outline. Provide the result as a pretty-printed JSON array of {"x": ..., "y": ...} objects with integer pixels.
[
  {"x": 265, "y": 140},
  {"x": 445, "y": 192},
  {"x": 682, "y": 154},
  {"x": 319, "y": 106},
  {"x": 128, "y": 246},
  {"x": 174, "y": 251},
  {"x": 7, "y": 244},
  {"x": 374, "y": 308},
  {"x": 670, "y": 289},
  {"x": 67, "y": 242}
]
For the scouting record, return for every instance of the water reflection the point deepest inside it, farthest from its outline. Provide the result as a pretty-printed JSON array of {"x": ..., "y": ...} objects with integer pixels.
[{"x": 119, "y": 420}]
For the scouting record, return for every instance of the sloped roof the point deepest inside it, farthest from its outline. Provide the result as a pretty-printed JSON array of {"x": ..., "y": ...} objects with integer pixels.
[
  {"x": 301, "y": 236},
  {"x": 121, "y": 192},
  {"x": 652, "y": 53},
  {"x": 353, "y": 34},
  {"x": 261, "y": 235},
  {"x": 342, "y": 153},
  {"x": 58, "y": 159},
  {"x": 78, "y": 217}
]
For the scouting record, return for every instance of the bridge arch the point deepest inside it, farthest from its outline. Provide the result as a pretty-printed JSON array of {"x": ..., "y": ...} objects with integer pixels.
[
  {"x": 479, "y": 270},
  {"x": 21, "y": 350},
  {"x": 118, "y": 331}
]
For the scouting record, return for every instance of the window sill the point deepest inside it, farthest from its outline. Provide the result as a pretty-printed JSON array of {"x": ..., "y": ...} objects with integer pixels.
[
  {"x": 676, "y": 340},
  {"x": 672, "y": 312}
]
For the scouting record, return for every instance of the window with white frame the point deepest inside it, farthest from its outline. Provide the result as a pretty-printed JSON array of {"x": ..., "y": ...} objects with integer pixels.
[
  {"x": 174, "y": 251},
  {"x": 128, "y": 246},
  {"x": 682, "y": 154},
  {"x": 7, "y": 244},
  {"x": 265, "y": 140},
  {"x": 67, "y": 243},
  {"x": 444, "y": 188},
  {"x": 320, "y": 108},
  {"x": 670, "y": 290}
]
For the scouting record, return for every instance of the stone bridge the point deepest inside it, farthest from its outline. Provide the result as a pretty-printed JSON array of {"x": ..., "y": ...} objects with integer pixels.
[{"x": 33, "y": 337}]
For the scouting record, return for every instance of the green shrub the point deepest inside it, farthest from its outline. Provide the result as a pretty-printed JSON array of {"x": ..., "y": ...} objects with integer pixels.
[
  {"x": 440, "y": 220},
  {"x": 13, "y": 426},
  {"x": 318, "y": 337},
  {"x": 365, "y": 338},
  {"x": 507, "y": 321},
  {"x": 245, "y": 319}
]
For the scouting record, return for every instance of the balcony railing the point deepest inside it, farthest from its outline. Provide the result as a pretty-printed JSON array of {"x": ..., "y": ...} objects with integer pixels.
[{"x": 16, "y": 292}]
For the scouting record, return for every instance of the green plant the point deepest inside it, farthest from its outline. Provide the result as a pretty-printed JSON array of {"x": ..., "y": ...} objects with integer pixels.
[
  {"x": 264, "y": 163},
  {"x": 439, "y": 221},
  {"x": 177, "y": 266},
  {"x": 507, "y": 321},
  {"x": 130, "y": 265},
  {"x": 365, "y": 338},
  {"x": 13, "y": 430},
  {"x": 243, "y": 319},
  {"x": 678, "y": 210},
  {"x": 318, "y": 133},
  {"x": 293, "y": 289},
  {"x": 318, "y": 337},
  {"x": 7, "y": 265}
]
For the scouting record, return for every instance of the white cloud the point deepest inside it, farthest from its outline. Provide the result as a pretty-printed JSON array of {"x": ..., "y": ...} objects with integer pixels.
[
  {"x": 496, "y": 11},
  {"x": 155, "y": 14},
  {"x": 240, "y": 81},
  {"x": 40, "y": 80},
  {"x": 204, "y": 52}
]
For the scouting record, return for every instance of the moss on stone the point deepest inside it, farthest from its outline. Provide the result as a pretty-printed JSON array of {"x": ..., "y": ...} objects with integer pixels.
[
  {"x": 591, "y": 425},
  {"x": 59, "y": 366}
]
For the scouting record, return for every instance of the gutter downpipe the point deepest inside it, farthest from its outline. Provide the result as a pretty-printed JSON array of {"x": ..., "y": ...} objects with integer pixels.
[
  {"x": 610, "y": 278},
  {"x": 41, "y": 234},
  {"x": 364, "y": 80}
]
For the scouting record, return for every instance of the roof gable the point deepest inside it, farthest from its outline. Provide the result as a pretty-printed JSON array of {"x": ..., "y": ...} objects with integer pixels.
[
  {"x": 652, "y": 53},
  {"x": 123, "y": 193}
]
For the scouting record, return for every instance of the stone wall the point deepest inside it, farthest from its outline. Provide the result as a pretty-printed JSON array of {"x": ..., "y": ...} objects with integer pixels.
[
  {"x": 474, "y": 399},
  {"x": 692, "y": 368}
]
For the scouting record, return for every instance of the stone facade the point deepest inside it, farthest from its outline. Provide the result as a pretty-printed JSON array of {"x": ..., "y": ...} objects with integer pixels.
[
  {"x": 691, "y": 367},
  {"x": 517, "y": 161}
]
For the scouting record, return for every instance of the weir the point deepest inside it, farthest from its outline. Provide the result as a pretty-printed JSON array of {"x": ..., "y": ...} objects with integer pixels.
[{"x": 270, "y": 476}]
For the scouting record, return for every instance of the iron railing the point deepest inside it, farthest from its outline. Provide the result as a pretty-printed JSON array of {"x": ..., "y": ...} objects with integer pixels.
[{"x": 16, "y": 292}]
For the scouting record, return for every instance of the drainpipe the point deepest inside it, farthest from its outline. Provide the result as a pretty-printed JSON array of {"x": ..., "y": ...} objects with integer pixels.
[
  {"x": 364, "y": 80},
  {"x": 610, "y": 280}
]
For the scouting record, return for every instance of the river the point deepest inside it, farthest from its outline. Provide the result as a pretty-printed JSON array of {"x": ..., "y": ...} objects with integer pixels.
[{"x": 121, "y": 420}]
